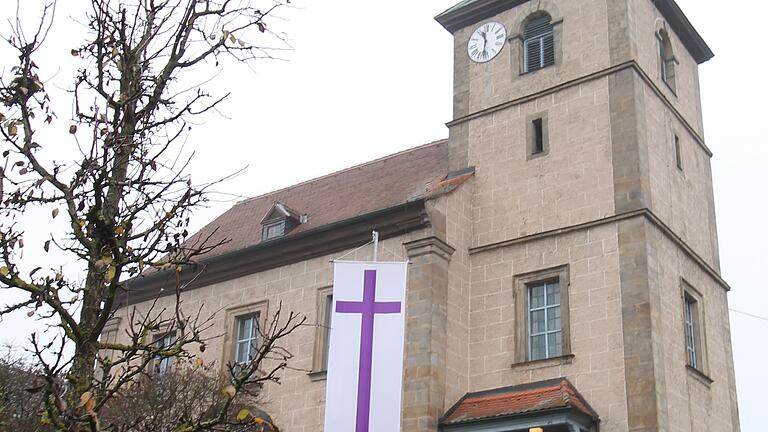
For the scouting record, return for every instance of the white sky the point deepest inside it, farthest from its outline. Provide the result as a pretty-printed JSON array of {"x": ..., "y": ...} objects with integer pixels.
[{"x": 369, "y": 79}]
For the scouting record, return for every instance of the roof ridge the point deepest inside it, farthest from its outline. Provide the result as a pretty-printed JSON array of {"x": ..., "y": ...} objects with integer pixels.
[
  {"x": 518, "y": 393},
  {"x": 344, "y": 170}
]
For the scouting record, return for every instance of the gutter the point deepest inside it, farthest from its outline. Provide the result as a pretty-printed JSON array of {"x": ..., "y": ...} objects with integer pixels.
[{"x": 318, "y": 241}]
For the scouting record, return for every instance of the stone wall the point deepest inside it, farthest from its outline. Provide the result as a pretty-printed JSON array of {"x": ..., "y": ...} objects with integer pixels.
[
  {"x": 646, "y": 22},
  {"x": 682, "y": 198},
  {"x": 582, "y": 52},
  {"x": 573, "y": 183},
  {"x": 597, "y": 367},
  {"x": 459, "y": 235},
  {"x": 297, "y": 404},
  {"x": 694, "y": 403}
]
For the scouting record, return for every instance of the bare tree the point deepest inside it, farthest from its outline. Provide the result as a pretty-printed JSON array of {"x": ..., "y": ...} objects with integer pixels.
[
  {"x": 20, "y": 406},
  {"x": 125, "y": 195}
]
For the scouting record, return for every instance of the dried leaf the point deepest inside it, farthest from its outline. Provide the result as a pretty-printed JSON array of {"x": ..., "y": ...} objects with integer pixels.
[
  {"x": 23, "y": 171},
  {"x": 4, "y": 271},
  {"x": 12, "y": 129},
  {"x": 229, "y": 391},
  {"x": 243, "y": 414},
  {"x": 241, "y": 42},
  {"x": 232, "y": 38},
  {"x": 87, "y": 401},
  {"x": 47, "y": 245},
  {"x": 54, "y": 213},
  {"x": 199, "y": 362},
  {"x": 110, "y": 275},
  {"x": 119, "y": 230},
  {"x": 73, "y": 129},
  {"x": 262, "y": 27},
  {"x": 179, "y": 269},
  {"x": 74, "y": 53},
  {"x": 81, "y": 222},
  {"x": 30, "y": 313}
]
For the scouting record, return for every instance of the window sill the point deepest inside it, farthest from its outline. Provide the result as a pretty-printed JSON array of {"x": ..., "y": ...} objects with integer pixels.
[
  {"x": 670, "y": 87},
  {"x": 532, "y": 156},
  {"x": 538, "y": 364},
  {"x": 524, "y": 73},
  {"x": 699, "y": 375},
  {"x": 318, "y": 376}
]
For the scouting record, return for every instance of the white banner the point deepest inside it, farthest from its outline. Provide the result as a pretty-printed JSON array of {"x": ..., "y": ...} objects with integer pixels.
[{"x": 365, "y": 358}]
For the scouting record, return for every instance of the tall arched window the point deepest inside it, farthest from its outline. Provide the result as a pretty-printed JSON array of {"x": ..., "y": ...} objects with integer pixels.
[
  {"x": 666, "y": 59},
  {"x": 538, "y": 44}
]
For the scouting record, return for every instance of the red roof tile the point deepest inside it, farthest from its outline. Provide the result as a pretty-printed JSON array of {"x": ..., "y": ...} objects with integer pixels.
[
  {"x": 518, "y": 400},
  {"x": 375, "y": 185}
]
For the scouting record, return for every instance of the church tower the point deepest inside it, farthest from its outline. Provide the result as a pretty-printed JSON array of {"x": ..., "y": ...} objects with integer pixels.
[{"x": 593, "y": 254}]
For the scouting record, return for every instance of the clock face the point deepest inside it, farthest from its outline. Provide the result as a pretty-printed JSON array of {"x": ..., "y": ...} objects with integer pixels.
[{"x": 486, "y": 42}]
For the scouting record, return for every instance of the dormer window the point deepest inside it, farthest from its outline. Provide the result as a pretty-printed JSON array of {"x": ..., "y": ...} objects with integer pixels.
[
  {"x": 280, "y": 220},
  {"x": 274, "y": 229}
]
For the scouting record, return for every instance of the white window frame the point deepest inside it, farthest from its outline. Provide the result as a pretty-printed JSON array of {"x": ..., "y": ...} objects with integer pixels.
[
  {"x": 546, "y": 308},
  {"x": 690, "y": 331},
  {"x": 164, "y": 362},
  {"x": 694, "y": 329},
  {"x": 252, "y": 337},
  {"x": 522, "y": 283}
]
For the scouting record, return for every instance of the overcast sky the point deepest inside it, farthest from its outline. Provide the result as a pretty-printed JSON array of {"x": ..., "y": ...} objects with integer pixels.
[{"x": 366, "y": 79}]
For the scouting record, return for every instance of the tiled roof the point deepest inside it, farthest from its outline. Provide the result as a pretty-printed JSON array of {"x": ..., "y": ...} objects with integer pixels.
[
  {"x": 375, "y": 185},
  {"x": 517, "y": 401},
  {"x": 458, "y": 5}
]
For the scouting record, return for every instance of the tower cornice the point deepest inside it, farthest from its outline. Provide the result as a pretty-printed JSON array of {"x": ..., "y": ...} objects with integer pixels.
[{"x": 470, "y": 12}]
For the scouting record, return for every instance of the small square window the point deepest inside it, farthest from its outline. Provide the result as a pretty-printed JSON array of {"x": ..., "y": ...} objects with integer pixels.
[{"x": 537, "y": 135}]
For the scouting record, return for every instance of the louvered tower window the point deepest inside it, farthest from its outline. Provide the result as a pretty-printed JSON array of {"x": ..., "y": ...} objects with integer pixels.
[
  {"x": 538, "y": 44},
  {"x": 666, "y": 60}
]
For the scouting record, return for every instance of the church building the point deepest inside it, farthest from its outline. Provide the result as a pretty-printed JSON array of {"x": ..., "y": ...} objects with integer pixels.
[{"x": 564, "y": 272}]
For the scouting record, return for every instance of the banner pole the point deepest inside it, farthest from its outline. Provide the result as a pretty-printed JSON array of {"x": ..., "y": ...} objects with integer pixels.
[{"x": 375, "y": 246}]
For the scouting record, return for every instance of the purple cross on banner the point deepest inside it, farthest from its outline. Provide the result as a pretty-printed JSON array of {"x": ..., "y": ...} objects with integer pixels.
[{"x": 369, "y": 308}]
